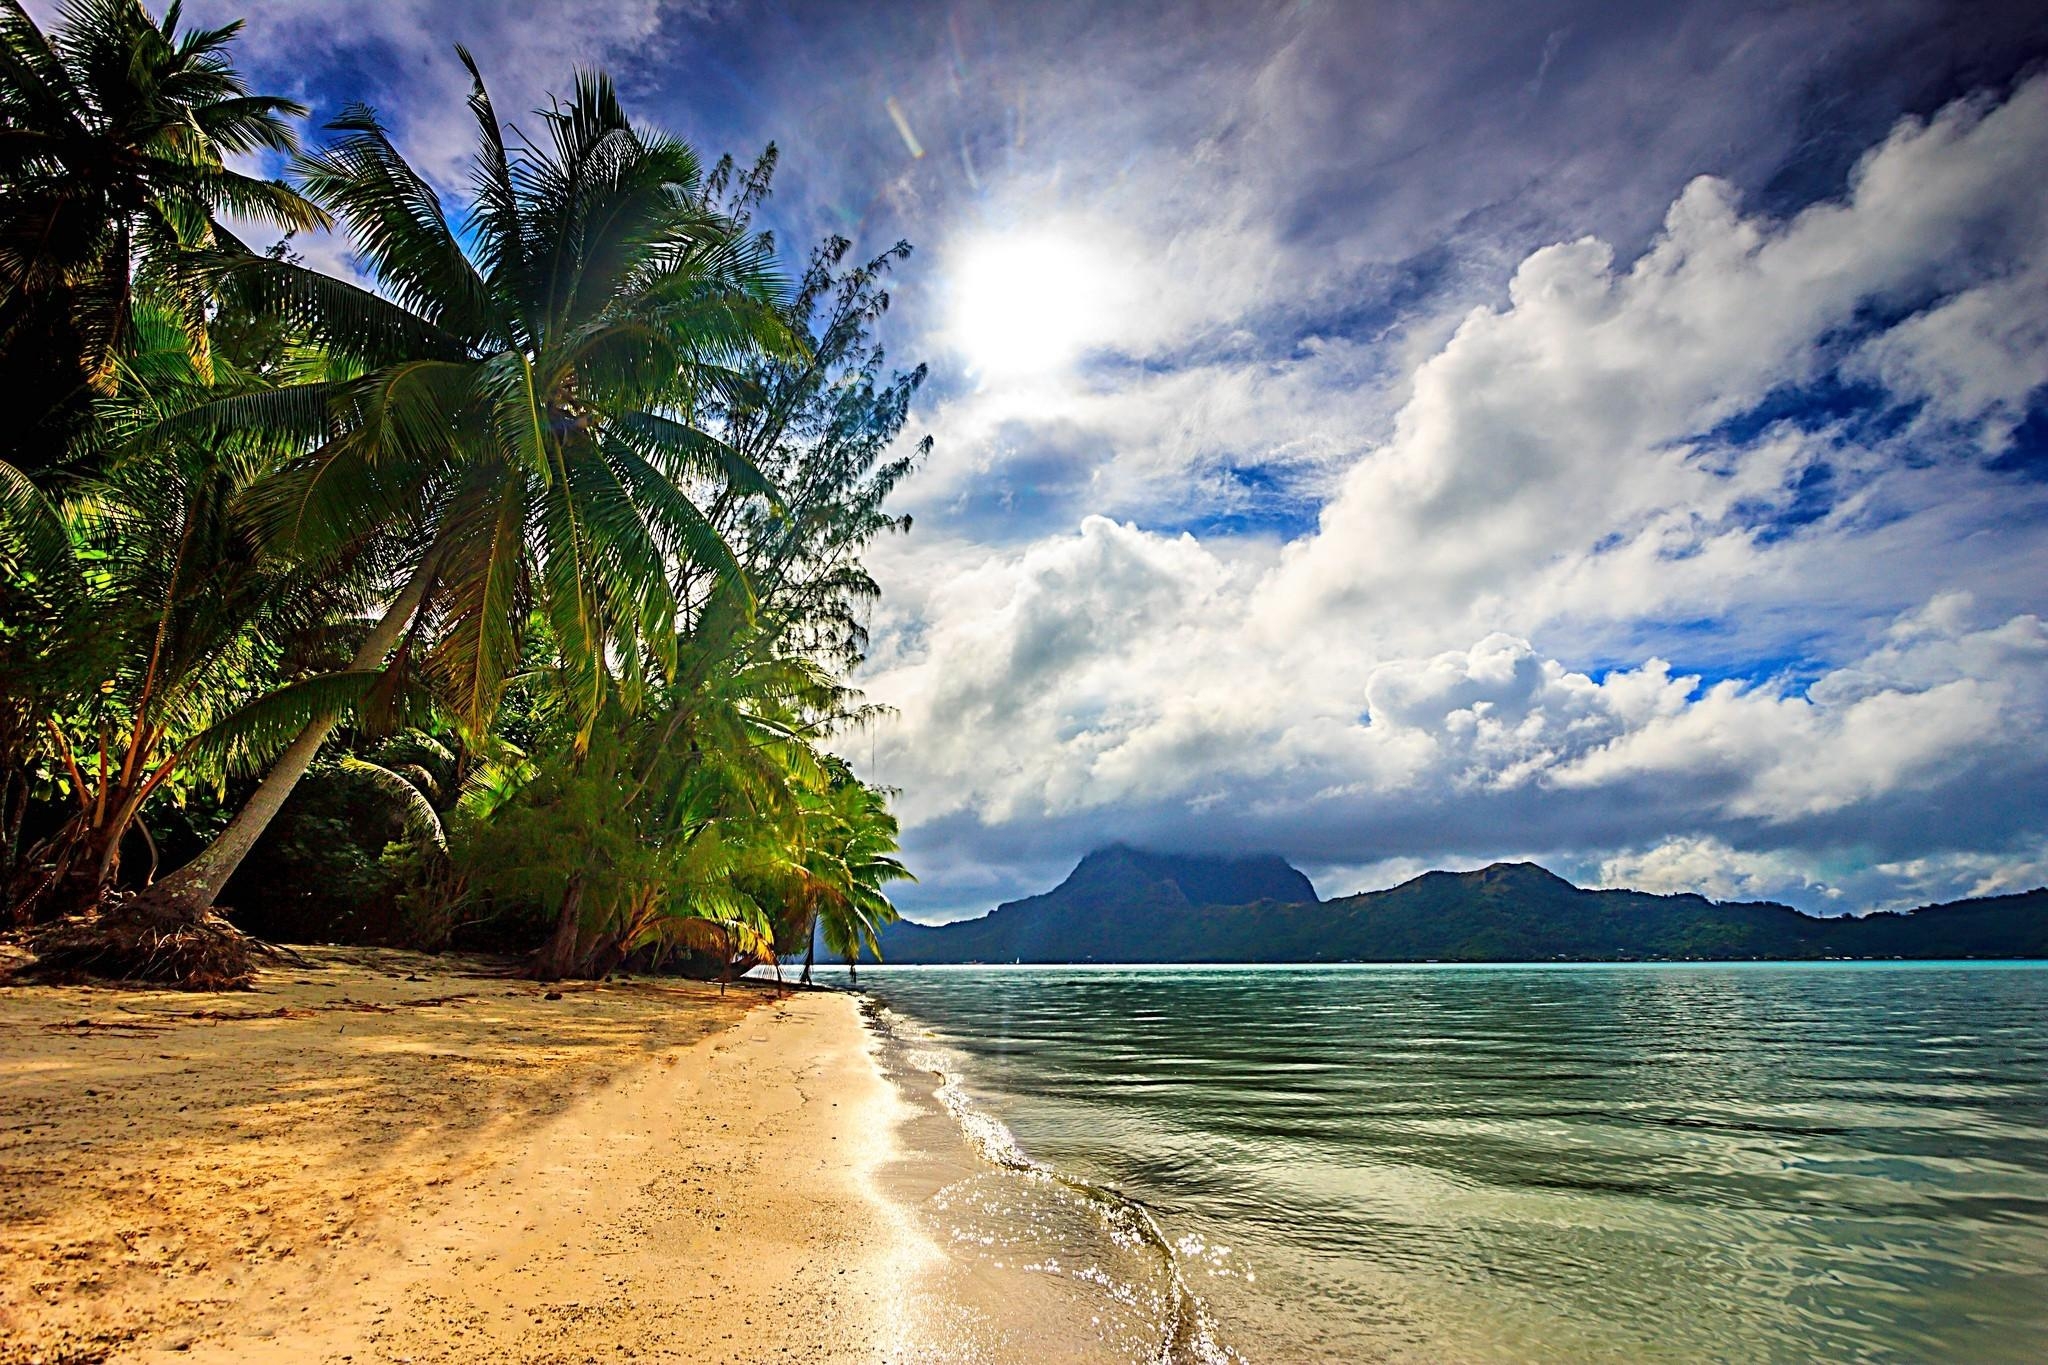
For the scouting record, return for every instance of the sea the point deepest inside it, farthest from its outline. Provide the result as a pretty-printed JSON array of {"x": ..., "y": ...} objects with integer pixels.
[{"x": 1755, "y": 1162}]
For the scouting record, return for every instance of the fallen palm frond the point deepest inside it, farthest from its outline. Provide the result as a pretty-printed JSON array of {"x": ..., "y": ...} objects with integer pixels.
[
  {"x": 393, "y": 1006},
  {"x": 129, "y": 1026}
]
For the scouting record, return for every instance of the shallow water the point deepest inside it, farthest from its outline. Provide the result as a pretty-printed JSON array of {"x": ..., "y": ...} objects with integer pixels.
[
  {"x": 1031, "y": 1263},
  {"x": 1480, "y": 1163}
]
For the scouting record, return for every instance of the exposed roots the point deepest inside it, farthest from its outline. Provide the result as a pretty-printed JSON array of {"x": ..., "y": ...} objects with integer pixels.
[{"x": 145, "y": 938}]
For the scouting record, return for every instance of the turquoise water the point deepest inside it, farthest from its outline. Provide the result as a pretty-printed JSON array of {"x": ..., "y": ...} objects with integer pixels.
[{"x": 1549, "y": 1163}]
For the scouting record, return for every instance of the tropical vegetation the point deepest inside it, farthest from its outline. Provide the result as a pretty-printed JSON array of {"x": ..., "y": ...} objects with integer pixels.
[{"x": 506, "y": 593}]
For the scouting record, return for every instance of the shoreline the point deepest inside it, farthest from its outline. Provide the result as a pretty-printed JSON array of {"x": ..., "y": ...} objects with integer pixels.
[
  {"x": 387, "y": 1157},
  {"x": 1039, "y": 1263}
]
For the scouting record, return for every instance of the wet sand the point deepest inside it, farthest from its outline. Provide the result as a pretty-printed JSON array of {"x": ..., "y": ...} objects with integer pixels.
[{"x": 387, "y": 1157}]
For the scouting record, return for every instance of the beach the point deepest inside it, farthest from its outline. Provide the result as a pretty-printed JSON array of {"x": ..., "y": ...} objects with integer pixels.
[
  {"x": 392, "y": 1158},
  {"x": 382, "y": 1156}
]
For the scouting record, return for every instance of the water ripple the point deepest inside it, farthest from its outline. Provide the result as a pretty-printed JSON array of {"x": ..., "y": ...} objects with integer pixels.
[{"x": 1603, "y": 1163}]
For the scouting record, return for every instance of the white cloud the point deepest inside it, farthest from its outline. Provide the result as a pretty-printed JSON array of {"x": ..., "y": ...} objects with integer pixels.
[
  {"x": 1711, "y": 868},
  {"x": 1828, "y": 885},
  {"x": 1975, "y": 359},
  {"x": 1162, "y": 445},
  {"x": 1575, "y": 417}
]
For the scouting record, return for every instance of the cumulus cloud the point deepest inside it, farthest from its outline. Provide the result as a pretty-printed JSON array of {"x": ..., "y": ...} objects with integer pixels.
[
  {"x": 1827, "y": 885},
  {"x": 1709, "y": 867},
  {"x": 1576, "y": 424},
  {"x": 1974, "y": 361}
]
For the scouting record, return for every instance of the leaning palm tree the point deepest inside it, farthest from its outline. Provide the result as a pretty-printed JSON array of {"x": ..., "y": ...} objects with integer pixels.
[
  {"x": 520, "y": 415},
  {"x": 115, "y": 134}
]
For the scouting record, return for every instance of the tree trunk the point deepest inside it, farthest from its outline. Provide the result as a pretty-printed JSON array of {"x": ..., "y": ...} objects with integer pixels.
[
  {"x": 558, "y": 959},
  {"x": 93, "y": 866},
  {"x": 810, "y": 951},
  {"x": 13, "y": 808},
  {"x": 604, "y": 958},
  {"x": 77, "y": 863},
  {"x": 197, "y": 884}
]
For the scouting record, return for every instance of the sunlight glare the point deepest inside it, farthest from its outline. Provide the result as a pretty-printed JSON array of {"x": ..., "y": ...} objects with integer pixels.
[{"x": 1028, "y": 304}]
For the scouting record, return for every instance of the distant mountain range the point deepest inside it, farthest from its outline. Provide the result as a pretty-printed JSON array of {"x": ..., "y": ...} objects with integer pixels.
[{"x": 1123, "y": 905}]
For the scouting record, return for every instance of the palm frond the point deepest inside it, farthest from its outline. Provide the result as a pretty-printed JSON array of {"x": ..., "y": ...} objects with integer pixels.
[
  {"x": 33, "y": 541},
  {"x": 245, "y": 740},
  {"x": 422, "y": 821},
  {"x": 397, "y": 223},
  {"x": 501, "y": 236},
  {"x": 339, "y": 317},
  {"x": 484, "y": 566}
]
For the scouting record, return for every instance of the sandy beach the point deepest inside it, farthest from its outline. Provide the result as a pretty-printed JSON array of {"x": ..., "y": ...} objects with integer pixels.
[{"x": 388, "y": 1157}]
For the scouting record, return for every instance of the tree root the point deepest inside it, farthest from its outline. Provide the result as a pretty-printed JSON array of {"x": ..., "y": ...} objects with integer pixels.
[{"x": 142, "y": 938}]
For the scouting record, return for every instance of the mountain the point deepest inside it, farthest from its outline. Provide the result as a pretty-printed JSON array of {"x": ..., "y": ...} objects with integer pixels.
[
  {"x": 1123, "y": 905},
  {"x": 1118, "y": 905}
]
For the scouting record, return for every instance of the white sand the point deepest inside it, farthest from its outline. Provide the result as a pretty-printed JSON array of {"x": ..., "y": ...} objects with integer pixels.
[{"x": 635, "y": 1172}]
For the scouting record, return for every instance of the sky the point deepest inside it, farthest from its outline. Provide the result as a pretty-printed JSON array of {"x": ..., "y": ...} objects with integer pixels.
[{"x": 1403, "y": 435}]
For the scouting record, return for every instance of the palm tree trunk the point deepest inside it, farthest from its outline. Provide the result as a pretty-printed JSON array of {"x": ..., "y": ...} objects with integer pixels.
[
  {"x": 558, "y": 959},
  {"x": 197, "y": 884},
  {"x": 810, "y": 951},
  {"x": 13, "y": 809}
]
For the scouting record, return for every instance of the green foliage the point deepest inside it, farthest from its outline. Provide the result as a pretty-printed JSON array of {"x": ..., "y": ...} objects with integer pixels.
[
  {"x": 600, "y": 479},
  {"x": 824, "y": 426},
  {"x": 168, "y": 644}
]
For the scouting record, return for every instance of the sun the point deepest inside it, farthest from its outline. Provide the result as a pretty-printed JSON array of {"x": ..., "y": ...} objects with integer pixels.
[{"x": 1028, "y": 303}]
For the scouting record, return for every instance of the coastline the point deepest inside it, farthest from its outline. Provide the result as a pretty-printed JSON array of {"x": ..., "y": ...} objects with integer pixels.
[{"x": 387, "y": 1157}]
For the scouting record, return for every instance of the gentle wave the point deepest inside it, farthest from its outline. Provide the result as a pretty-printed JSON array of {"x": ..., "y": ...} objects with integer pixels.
[{"x": 1187, "y": 1332}]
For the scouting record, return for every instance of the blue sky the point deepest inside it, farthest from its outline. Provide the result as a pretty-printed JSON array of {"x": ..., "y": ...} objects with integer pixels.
[{"x": 1406, "y": 435}]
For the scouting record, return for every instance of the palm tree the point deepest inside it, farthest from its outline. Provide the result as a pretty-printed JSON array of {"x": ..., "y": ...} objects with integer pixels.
[
  {"x": 849, "y": 856},
  {"x": 115, "y": 134},
  {"x": 708, "y": 782},
  {"x": 521, "y": 418},
  {"x": 171, "y": 640}
]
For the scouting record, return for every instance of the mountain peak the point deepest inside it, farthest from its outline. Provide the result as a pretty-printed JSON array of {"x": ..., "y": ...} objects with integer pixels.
[
  {"x": 1201, "y": 879},
  {"x": 1519, "y": 878},
  {"x": 1520, "y": 875}
]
